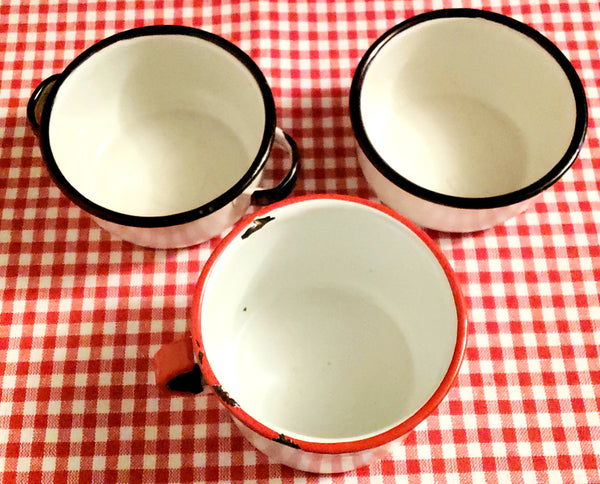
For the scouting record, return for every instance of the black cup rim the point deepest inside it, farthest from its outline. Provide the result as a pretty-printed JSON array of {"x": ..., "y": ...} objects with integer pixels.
[
  {"x": 489, "y": 202},
  {"x": 176, "y": 218}
]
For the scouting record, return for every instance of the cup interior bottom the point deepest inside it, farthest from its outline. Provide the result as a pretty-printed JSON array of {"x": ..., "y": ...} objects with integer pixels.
[
  {"x": 334, "y": 365},
  {"x": 166, "y": 163},
  {"x": 456, "y": 145}
]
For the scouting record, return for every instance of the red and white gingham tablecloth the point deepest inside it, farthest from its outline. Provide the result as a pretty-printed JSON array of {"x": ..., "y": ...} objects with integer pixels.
[{"x": 83, "y": 313}]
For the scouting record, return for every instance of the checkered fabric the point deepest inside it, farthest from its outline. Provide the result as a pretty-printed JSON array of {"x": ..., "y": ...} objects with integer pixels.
[{"x": 83, "y": 313}]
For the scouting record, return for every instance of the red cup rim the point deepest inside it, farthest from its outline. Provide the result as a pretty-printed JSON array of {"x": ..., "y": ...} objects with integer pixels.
[{"x": 346, "y": 446}]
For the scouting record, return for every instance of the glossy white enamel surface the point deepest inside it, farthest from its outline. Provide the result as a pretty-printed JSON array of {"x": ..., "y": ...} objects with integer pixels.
[
  {"x": 157, "y": 124},
  {"x": 467, "y": 107},
  {"x": 333, "y": 322},
  {"x": 434, "y": 215}
]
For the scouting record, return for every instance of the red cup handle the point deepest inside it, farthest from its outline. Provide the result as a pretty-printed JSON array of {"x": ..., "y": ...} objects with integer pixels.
[{"x": 175, "y": 368}]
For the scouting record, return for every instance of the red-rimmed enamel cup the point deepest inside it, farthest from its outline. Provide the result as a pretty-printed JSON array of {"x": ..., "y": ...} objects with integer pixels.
[
  {"x": 463, "y": 117},
  {"x": 161, "y": 134},
  {"x": 329, "y": 326}
]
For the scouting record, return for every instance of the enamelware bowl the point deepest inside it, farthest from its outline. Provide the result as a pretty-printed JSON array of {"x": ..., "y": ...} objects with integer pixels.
[
  {"x": 329, "y": 326},
  {"x": 161, "y": 134},
  {"x": 462, "y": 117}
]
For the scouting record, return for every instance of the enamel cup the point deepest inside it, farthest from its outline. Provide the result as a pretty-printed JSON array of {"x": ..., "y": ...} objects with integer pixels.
[
  {"x": 462, "y": 117},
  {"x": 161, "y": 134},
  {"x": 328, "y": 326}
]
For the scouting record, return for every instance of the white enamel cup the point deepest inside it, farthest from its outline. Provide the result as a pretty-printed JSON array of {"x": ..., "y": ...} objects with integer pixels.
[
  {"x": 161, "y": 133},
  {"x": 462, "y": 117},
  {"x": 329, "y": 326}
]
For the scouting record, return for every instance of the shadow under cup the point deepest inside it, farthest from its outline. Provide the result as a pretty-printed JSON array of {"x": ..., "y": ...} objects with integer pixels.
[{"x": 331, "y": 325}]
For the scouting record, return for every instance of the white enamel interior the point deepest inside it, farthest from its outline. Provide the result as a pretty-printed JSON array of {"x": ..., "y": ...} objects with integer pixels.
[
  {"x": 157, "y": 124},
  {"x": 467, "y": 107},
  {"x": 332, "y": 322}
]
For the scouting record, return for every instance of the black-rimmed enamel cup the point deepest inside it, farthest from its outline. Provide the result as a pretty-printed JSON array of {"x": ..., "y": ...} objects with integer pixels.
[
  {"x": 328, "y": 326},
  {"x": 161, "y": 134},
  {"x": 462, "y": 117}
]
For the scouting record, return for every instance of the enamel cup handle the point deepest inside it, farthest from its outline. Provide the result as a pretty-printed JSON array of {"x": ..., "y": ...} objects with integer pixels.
[
  {"x": 37, "y": 101},
  {"x": 175, "y": 367},
  {"x": 285, "y": 187}
]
